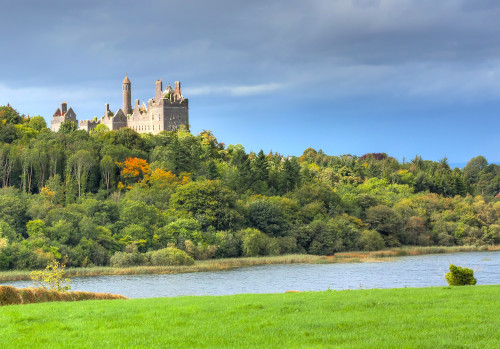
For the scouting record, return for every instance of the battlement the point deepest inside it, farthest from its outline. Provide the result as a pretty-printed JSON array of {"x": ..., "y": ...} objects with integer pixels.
[{"x": 88, "y": 125}]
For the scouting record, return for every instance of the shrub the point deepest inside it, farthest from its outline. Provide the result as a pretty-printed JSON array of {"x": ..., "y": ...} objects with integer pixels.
[
  {"x": 200, "y": 251},
  {"x": 371, "y": 240},
  {"x": 228, "y": 245},
  {"x": 288, "y": 244},
  {"x": 256, "y": 243},
  {"x": 124, "y": 259},
  {"x": 52, "y": 277},
  {"x": 458, "y": 276},
  {"x": 169, "y": 256}
]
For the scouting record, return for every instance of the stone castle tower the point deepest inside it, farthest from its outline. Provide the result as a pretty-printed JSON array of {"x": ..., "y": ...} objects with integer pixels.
[
  {"x": 166, "y": 111},
  {"x": 127, "y": 96}
]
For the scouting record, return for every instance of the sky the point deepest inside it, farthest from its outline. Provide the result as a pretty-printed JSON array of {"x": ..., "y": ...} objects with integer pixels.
[{"x": 404, "y": 77}]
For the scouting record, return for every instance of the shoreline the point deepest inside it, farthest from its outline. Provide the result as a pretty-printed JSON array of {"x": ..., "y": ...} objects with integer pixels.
[{"x": 233, "y": 263}]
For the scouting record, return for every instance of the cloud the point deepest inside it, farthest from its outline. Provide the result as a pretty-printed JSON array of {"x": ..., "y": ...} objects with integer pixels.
[
  {"x": 341, "y": 48},
  {"x": 238, "y": 91}
]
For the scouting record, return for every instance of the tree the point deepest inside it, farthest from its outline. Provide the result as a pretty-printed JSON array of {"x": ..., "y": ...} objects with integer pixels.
[
  {"x": 68, "y": 127},
  {"x": 100, "y": 129},
  {"x": 209, "y": 202},
  {"x": 8, "y": 158},
  {"x": 3, "y": 243},
  {"x": 55, "y": 153},
  {"x": 255, "y": 243},
  {"x": 289, "y": 175},
  {"x": 261, "y": 167},
  {"x": 181, "y": 230},
  {"x": 325, "y": 237},
  {"x": 41, "y": 158},
  {"x": 129, "y": 138},
  {"x": 474, "y": 167},
  {"x": 384, "y": 220},
  {"x": 37, "y": 123},
  {"x": 108, "y": 169},
  {"x": 181, "y": 153},
  {"x": 10, "y": 115},
  {"x": 13, "y": 209},
  {"x": 267, "y": 217},
  {"x": 79, "y": 165},
  {"x": 138, "y": 212},
  {"x": 134, "y": 169},
  {"x": 28, "y": 160}
]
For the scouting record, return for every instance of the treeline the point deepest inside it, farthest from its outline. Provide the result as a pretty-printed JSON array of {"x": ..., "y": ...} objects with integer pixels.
[{"x": 116, "y": 197}]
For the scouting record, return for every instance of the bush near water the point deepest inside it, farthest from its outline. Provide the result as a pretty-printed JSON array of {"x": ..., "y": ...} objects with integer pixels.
[
  {"x": 82, "y": 198},
  {"x": 458, "y": 276},
  {"x": 169, "y": 256}
]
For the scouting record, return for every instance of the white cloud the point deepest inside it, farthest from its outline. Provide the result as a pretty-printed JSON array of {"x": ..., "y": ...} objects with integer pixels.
[{"x": 239, "y": 91}]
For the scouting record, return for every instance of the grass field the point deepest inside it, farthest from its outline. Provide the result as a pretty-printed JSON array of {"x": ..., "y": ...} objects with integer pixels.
[
  {"x": 232, "y": 263},
  {"x": 440, "y": 317}
]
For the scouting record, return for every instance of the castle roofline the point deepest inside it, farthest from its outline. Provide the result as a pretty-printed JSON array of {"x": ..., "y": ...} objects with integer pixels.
[{"x": 126, "y": 80}]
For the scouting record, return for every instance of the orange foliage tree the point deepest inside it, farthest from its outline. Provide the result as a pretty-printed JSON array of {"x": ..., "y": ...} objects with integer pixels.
[
  {"x": 161, "y": 178},
  {"x": 134, "y": 169}
]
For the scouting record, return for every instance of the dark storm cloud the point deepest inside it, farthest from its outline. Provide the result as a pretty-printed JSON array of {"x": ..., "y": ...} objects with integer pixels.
[
  {"x": 244, "y": 45},
  {"x": 426, "y": 71}
]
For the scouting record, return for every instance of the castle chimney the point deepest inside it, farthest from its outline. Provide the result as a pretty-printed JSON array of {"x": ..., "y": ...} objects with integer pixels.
[
  {"x": 159, "y": 90},
  {"x": 106, "y": 110},
  {"x": 64, "y": 108},
  {"x": 177, "y": 91},
  {"x": 137, "y": 103}
]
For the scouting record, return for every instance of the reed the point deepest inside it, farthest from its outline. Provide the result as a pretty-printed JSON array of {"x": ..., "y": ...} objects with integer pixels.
[{"x": 10, "y": 295}]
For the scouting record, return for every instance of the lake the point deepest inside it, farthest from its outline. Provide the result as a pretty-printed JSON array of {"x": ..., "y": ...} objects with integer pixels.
[{"x": 410, "y": 271}]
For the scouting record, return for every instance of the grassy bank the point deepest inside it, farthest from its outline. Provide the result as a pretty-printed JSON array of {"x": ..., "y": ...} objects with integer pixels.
[
  {"x": 440, "y": 317},
  {"x": 231, "y": 263}
]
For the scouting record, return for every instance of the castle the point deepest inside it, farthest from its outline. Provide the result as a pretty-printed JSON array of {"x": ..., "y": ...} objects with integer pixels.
[
  {"x": 62, "y": 114},
  {"x": 166, "y": 111}
]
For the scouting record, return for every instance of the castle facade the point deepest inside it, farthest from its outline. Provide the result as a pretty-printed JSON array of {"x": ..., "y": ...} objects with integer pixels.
[
  {"x": 166, "y": 111},
  {"x": 62, "y": 114}
]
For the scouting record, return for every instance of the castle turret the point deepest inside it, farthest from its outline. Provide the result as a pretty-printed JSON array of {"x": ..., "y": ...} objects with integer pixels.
[{"x": 127, "y": 96}]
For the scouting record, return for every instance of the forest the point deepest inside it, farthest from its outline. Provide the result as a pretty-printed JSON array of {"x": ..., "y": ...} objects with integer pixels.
[{"x": 121, "y": 198}]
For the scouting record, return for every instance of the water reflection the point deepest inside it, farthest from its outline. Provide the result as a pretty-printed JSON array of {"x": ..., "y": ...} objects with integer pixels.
[{"x": 414, "y": 271}]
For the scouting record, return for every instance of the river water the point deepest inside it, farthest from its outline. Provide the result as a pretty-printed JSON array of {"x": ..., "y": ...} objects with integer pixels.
[{"x": 413, "y": 271}]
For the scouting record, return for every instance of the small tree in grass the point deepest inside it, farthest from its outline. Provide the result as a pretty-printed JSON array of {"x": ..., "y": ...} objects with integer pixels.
[
  {"x": 52, "y": 277},
  {"x": 458, "y": 276}
]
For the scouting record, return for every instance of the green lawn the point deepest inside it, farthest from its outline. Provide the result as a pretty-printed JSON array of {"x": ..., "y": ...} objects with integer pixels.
[{"x": 439, "y": 317}]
